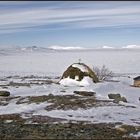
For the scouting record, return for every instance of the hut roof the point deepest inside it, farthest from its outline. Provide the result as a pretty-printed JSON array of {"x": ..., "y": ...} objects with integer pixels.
[
  {"x": 79, "y": 70},
  {"x": 137, "y": 78}
]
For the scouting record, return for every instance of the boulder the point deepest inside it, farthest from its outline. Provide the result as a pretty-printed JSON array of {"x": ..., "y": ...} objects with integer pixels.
[
  {"x": 117, "y": 98},
  {"x": 4, "y": 93},
  {"x": 123, "y": 99},
  {"x": 114, "y": 96},
  {"x": 85, "y": 93}
]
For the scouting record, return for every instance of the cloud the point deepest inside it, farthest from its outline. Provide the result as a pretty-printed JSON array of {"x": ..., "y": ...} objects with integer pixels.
[{"x": 23, "y": 18}]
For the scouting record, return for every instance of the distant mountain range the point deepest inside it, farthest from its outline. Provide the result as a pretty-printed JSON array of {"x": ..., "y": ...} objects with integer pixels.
[
  {"x": 65, "y": 48},
  {"x": 17, "y": 49}
]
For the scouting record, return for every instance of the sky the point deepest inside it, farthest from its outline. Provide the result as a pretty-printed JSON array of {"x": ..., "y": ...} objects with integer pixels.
[{"x": 69, "y": 23}]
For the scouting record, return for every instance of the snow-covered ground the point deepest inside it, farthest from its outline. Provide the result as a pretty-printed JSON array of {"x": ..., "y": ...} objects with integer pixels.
[{"x": 54, "y": 63}]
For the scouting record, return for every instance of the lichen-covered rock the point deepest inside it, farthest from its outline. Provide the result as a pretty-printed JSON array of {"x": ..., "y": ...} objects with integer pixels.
[
  {"x": 117, "y": 98},
  {"x": 4, "y": 93},
  {"x": 114, "y": 96},
  {"x": 85, "y": 93}
]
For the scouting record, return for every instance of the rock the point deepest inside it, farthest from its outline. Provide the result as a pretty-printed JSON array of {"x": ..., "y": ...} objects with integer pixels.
[
  {"x": 85, "y": 93},
  {"x": 4, "y": 93},
  {"x": 114, "y": 96},
  {"x": 121, "y": 129},
  {"x": 123, "y": 99},
  {"x": 18, "y": 84},
  {"x": 139, "y": 98},
  {"x": 62, "y": 91},
  {"x": 117, "y": 98}
]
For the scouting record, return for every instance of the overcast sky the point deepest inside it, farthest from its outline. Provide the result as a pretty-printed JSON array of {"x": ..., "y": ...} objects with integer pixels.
[{"x": 81, "y": 23}]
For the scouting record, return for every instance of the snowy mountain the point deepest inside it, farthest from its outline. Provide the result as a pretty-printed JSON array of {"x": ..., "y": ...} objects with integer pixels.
[
  {"x": 33, "y": 49},
  {"x": 107, "y": 47},
  {"x": 131, "y": 47},
  {"x": 65, "y": 48},
  {"x": 17, "y": 49},
  {"x": 30, "y": 49}
]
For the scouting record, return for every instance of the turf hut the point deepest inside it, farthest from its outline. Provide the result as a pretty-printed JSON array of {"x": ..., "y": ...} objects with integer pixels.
[
  {"x": 78, "y": 72},
  {"x": 137, "y": 81}
]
